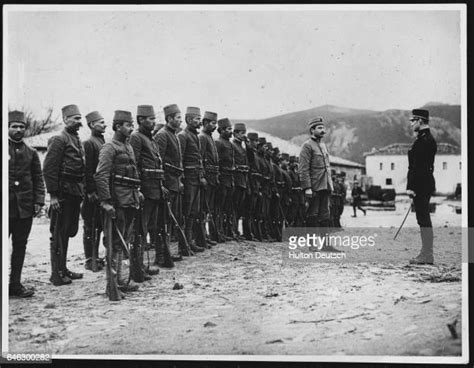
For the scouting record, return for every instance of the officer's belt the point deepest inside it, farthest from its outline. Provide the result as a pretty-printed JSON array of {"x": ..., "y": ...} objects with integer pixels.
[
  {"x": 173, "y": 170},
  {"x": 242, "y": 168},
  {"x": 126, "y": 181},
  {"x": 156, "y": 174},
  {"x": 72, "y": 178}
]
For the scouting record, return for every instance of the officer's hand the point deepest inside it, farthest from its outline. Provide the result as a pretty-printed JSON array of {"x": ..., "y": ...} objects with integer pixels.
[
  {"x": 93, "y": 197},
  {"x": 37, "y": 208},
  {"x": 54, "y": 203},
  {"x": 203, "y": 182},
  {"x": 308, "y": 192},
  {"x": 109, "y": 209},
  {"x": 411, "y": 193}
]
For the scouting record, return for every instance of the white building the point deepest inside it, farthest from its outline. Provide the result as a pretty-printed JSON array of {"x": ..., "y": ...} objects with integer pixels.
[{"x": 388, "y": 167}]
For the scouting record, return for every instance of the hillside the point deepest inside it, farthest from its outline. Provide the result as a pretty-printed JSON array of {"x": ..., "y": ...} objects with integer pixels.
[{"x": 353, "y": 132}]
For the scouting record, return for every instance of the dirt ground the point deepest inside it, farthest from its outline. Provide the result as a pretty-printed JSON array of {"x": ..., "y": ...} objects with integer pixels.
[{"x": 239, "y": 298}]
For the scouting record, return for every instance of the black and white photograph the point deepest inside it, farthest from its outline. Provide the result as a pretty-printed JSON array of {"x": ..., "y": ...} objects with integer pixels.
[{"x": 235, "y": 182}]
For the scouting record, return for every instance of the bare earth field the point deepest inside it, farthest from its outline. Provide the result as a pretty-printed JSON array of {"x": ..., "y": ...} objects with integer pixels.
[{"x": 239, "y": 298}]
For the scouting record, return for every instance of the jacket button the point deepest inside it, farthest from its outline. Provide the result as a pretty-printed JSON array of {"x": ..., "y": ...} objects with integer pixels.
[{"x": 17, "y": 183}]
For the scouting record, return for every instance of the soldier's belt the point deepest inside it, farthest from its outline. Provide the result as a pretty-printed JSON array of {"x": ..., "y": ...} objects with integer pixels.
[
  {"x": 258, "y": 175},
  {"x": 156, "y": 174},
  {"x": 296, "y": 189},
  {"x": 173, "y": 170},
  {"x": 227, "y": 170},
  {"x": 212, "y": 169},
  {"x": 268, "y": 178},
  {"x": 72, "y": 178},
  {"x": 126, "y": 181},
  {"x": 193, "y": 168},
  {"x": 280, "y": 183},
  {"x": 242, "y": 168}
]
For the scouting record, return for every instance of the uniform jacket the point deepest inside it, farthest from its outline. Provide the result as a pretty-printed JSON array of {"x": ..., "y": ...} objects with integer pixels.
[
  {"x": 314, "y": 169},
  {"x": 25, "y": 180},
  {"x": 254, "y": 174},
  {"x": 286, "y": 189},
  {"x": 268, "y": 176},
  {"x": 147, "y": 156},
  {"x": 170, "y": 152},
  {"x": 65, "y": 154},
  {"x": 240, "y": 159},
  {"x": 297, "y": 194},
  {"x": 117, "y": 157},
  {"x": 191, "y": 151},
  {"x": 210, "y": 157},
  {"x": 420, "y": 177},
  {"x": 92, "y": 147},
  {"x": 225, "y": 150}
]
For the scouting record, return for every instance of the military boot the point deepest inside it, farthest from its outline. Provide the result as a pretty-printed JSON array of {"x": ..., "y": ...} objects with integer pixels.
[
  {"x": 200, "y": 233},
  {"x": 323, "y": 230},
  {"x": 189, "y": 236},
  {"x": 426, "y": 253},
  {"x": 163, "y": 255},
  {"x": 57, "y": 276}
]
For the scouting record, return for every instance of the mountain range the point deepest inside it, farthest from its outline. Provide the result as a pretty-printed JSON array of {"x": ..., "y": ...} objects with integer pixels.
[{"x": 352, "y": 132}]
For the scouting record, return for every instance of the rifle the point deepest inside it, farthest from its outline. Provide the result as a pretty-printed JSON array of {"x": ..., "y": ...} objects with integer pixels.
[
  {"x": 112, "y": 287},
  {"x": 211, "y": 216},
  {"x": 409, "y": 209},
  {"x": 180, "y": 229},
  {"x": 94, "y": 265}
]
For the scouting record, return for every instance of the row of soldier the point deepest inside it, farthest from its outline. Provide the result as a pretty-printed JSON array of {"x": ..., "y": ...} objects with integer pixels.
[{"x": 157, "y": 183}]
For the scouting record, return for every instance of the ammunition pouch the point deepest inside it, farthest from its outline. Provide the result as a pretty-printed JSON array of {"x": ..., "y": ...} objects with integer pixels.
[
  {"x": 126, "y": 181},
  {"x": 153, "y": 174}
]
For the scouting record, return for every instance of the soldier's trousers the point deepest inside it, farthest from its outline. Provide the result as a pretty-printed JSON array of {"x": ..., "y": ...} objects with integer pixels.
[
  {"x": 240, "y": 202},
  {"x": 266, "y": 221},
  {"x": 208, "y": 205},
  {"x": 64, "y": 225},
  {"x": 19, "y": 229},
  {"x": 89, "y": 211},
  {"x": 318, "y": 209},
  {"x": 124, "y": 222},
  {"x": 295, "y": 211},
  {"x": 224, "y": 207},
  {"x": 191, "y": 200}
]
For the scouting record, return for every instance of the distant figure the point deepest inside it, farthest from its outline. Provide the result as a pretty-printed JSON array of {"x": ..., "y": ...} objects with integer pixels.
[
  {"x": 356, "y": 199},
  {"x": 421, "y": 182}
]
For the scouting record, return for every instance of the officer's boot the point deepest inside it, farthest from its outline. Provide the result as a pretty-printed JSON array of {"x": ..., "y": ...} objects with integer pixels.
[
  {"x": 57, "y": 276},
  {"x": 200, "y": 233},
  {"x": 189, "y": 236},
  {"x": 426, "y": 253}
]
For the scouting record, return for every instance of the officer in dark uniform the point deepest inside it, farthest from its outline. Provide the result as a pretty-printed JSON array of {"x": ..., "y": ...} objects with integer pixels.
[
  {"x": 118, "y": 184},
  {"x": 225, "y": 151},
  {"x": 26, "y": 197},
  {"x": 64, "y": 171},
  {"x": 170, "y": 152},
  {"x": 211, "y": 174},
  {"x": 193, "y": 180},
  {"x": 90, "y": 209},
  {"x": 296, "y": 210},
  {"x": 240, "y": 200},
  {"x": 421, "y": 182},
  {"x": 254, "y": 191}
]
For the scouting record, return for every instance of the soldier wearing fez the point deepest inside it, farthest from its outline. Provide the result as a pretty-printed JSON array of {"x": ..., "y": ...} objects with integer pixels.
[
  {"x": 285, "y": 194},
  {"x": 150, "y": 170},
  {"x": 296, "y": 210},
  {"x": 275, "y": 204},
  {"x": 267, "y": 181},
  {"x": 170, "y": 152},
  {"x": 421, "y": 182},
  {"x": 90, "y": 209},
  {"x": 64, "y": 169},
  {"x": 254, "y": 192},
  {"x": 315, "y": 176},
  {"x": 193, "y": 180},
  {"x": 241, "y": 165},
  {"x": 211, "y": 174},
  {"x": 225, "y": 151},
  {"x": 118, "y": 183},
  {"x": 25, "y": 198}
]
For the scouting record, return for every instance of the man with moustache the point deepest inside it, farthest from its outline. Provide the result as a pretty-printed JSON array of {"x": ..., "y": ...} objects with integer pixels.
[
  {"x": 420, "y": 181},
  {"x": 90, "y": 209},
  {"x": 193, "y": 180},
  {"x": 64, "y": 174},
  {"x": 25, "y": 198},
  {"x": 170, "y": 152},
  {"x": 225, "y": 151},
  {"x": 118, "y": 184},
  {"x": 254, "y": 191},
  {"x": 211, "y": 174}
]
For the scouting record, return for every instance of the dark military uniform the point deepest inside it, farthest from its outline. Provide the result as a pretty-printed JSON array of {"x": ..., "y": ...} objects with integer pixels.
[
  {"x": 240, "y": 200},
  {"x": 25, "y": 189},
  {"x": 268, "y": 188},
  {"x": 296, "y": 210},
  {"x": 90, "y": 210},
  {"x": 254, "y": 192},
  {"x": 285, "y": 192},
  {"x": 64, "y": 170}
]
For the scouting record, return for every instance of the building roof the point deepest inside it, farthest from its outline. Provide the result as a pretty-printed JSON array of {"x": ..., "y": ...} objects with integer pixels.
[{"x": 402, "y": 149}]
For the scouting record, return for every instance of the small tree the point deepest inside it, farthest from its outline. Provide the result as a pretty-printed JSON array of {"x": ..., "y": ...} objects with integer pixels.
[{"x": 35, "y": 126}]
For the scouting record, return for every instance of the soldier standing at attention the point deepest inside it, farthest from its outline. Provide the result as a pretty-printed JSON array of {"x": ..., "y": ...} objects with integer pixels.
[
  {"x": 357, "y": 199},
  {"x": 296, "y": 210},
  {"x": 90, "y": 209},
  {"x": 269, "y": 189},
  {"x": 170, "y": 152},
  {"x": 254, "y": 188},
  {"x": 25, "y": 198},
  {"x": 225, "y": 151},
  {"x": 240, "y": 200},
  {"x": 285, "y": 195},
  {"x": 193, "y": 180},
  {"x": 117, "y": 183},
  {"x": 421, "y": 182},
  {"x": 64, "y": 169},
  {"x": 211, "y": 174}
]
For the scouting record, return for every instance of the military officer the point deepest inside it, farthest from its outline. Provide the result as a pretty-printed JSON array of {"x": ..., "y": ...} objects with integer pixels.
[
  {"x": 90, "y": 209},
  {"x": 193, "y": 180},
  {"x": 254, "y": 191},
  {"x": 420, "y": 181},
  {"x": 118, "y": 183},
  {"x": 26, "y": 197},
  {"x": 64, "y": 170},
  {"x": 211, "y": 174}
]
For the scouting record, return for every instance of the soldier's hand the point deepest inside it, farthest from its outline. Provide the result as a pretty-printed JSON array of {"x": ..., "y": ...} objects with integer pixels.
[
  {"x": 411, "y": 193},
  {"x": 308, "y": 192},
  {"x": 277, "y": 195},
  {"x": 37, "y": 209},
  {"x": 54, "y": 203},
  {"x": 93, "y": 197},
  {"x": 141, "y": 197},
  {"x": 165, "y": 192},
  {"x": 109, "y": 209},
  {"x": 180, "y": 187}
]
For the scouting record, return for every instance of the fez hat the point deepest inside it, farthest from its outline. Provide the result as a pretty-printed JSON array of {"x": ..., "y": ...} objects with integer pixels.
[
  {"x": 316, "y": 121},
  {"x": 239, "y": 126},
  {"x": 285, "y": 156},
  {"x": 262, "y": 140},
  {"x": 269, "y": 145},
  {"x": 93, "y": 116},
  {"x": 224, "y": 123},
  {"x": 193, "y": 111},
  {"x": 420, "y": 113},
  {"x": 252, "y": 136},
  {"x": 145, "y": 110},
  {"x": 120, "y": 115},
  {"x": 276, "y": 150},
  {"x": 292, "y": 159},
  {"x": 16, "y": 117},
  {"x": 171, "y": 109},
  {"x": 70, "y": 110},
  {"x": 212, "y": 116}
]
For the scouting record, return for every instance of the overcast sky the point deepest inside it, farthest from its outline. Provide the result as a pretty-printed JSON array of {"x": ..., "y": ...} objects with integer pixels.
[{"x": 241, "y": 64}]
